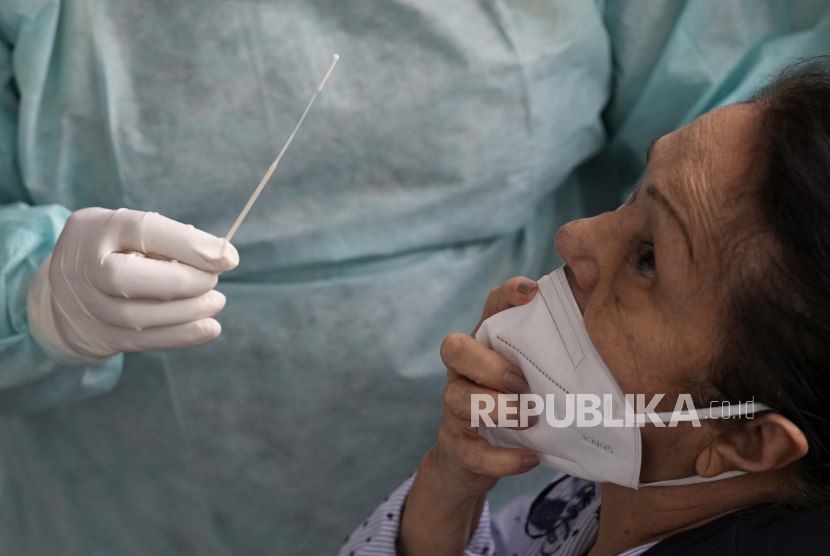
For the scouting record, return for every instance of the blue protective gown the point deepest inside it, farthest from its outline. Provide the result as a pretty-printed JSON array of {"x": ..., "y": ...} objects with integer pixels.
[
  {"x": 426, "y": 173},
  {"x": 422, "y": 177}
]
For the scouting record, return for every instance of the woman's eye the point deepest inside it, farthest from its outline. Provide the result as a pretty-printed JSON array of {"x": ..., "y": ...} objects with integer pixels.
[{"x": 645, "y": 261}]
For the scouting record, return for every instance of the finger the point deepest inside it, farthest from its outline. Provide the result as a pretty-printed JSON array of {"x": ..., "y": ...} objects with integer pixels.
[
  {"x": 133, "y": 276},
  {"x": 458, "y": 401},
  {"x": 152, "y": 233},
  {"x": 478, "y": 456},
  {"x": 512, "y": 293},
  {"x": 166, "y": 337},
  {"x": 139, "y": 314},
  {"x": 467, "y": 357}
]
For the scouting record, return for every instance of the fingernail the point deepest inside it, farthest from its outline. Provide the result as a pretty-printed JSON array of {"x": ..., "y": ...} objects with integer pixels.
[
  {"x": 529, "y": 462},
  {"x": 526, "y": 286},
  {"x": 515, "y": 383}
]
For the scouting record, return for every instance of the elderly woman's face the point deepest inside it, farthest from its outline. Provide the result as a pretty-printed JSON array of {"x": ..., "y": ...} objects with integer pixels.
[{"x": 648, "y": 276}]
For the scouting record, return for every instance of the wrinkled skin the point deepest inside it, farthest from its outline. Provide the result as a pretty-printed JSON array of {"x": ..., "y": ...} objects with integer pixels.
[{"x": 650, "y": 281}]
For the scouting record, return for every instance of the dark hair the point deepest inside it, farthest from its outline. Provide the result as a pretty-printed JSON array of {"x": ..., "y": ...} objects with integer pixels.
[{"x": 776, "y": 337}]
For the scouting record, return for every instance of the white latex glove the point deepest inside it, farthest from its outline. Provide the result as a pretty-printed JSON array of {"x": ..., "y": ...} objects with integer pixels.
[{"x": 125, "y": 280}]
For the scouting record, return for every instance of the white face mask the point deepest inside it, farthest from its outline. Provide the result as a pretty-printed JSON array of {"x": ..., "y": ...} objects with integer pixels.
[{"x": 547, "y": 340}]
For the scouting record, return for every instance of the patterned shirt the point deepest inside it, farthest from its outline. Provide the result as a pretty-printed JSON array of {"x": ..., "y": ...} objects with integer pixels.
[{"x": 563, "y": 520}]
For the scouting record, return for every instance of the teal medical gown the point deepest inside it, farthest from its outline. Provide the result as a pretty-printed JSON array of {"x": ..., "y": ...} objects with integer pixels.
[
  {"x": 421, "y": 178},
  {"x": 427, "y": 172}
]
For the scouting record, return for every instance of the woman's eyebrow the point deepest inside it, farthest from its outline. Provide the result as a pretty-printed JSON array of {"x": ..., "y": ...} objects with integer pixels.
[{"x": 652, "y": 193}]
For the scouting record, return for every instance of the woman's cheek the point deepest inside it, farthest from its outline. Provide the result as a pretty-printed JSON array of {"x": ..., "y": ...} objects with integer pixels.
[{"x": 619, "y": 342}]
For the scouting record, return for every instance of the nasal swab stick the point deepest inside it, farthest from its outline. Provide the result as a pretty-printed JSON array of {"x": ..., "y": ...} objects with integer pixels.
[{"x": 273, "y": 167}]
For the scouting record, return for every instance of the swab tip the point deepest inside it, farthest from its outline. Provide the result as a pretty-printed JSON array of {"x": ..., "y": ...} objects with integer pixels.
[{"x": 328, "y": 71}]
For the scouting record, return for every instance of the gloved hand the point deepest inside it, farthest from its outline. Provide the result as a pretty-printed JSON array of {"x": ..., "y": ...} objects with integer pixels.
[{"x": 127, "y": 280}]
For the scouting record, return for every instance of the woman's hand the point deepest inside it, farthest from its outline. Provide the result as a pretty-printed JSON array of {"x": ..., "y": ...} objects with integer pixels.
[
  {"x": 448, "y": 494},
  {"x": 470, "y": 464}
]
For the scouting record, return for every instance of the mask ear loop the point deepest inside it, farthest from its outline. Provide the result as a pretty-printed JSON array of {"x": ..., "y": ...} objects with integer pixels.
[
  {"x": 693, "y": 480},
  {"x": 747, "y": 409}
]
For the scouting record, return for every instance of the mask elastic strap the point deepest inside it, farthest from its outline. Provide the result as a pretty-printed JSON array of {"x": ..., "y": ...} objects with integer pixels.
[
  {"x": 714, "y": 412},
  {"x": 695, "y": 479}
]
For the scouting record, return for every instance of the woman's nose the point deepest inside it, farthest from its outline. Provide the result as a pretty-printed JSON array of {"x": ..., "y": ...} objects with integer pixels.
[{"x": 579, "y": 246}]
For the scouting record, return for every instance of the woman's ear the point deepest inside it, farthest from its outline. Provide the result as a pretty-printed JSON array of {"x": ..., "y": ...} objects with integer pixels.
[{"x": 765, "y": 443}]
